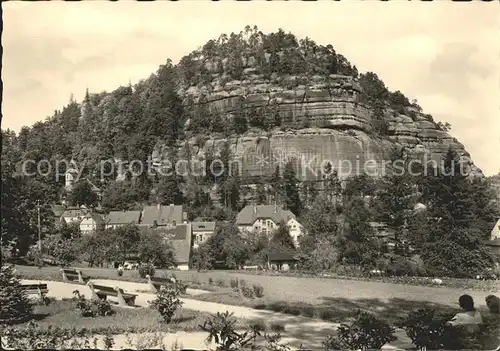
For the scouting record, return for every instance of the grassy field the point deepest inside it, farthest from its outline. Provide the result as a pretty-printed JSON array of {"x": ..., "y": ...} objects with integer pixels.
[
  {"x": 325, "y": 298},
  {"x": 63, "y": 313}
]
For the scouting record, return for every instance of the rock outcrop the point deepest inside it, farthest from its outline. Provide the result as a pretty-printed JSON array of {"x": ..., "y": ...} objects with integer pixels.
[{"x": 322, "y": 119}]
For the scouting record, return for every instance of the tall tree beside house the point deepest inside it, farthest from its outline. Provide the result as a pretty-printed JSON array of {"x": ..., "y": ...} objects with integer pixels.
[
  {"x": 291, "y": 190},
  {"x": 278, "y": 186},
  {"x": 398, "y": 196},
  {"x": 227, "y": 245},
  {"x": 332, "y": 185},
  {"x": 153, "y": 248},
  {"x": 318, "y": 249},
  {"x": 281, "y": 239},
  {"x": 125, "y": 240},
  {"x": 357, "y": 244},
  {"x": 83, "y": 194},
  {"x": 457, "y": 213}
]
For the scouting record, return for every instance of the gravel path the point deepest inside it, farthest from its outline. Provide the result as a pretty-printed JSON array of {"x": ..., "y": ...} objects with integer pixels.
[{"x": 298, "y": 330}]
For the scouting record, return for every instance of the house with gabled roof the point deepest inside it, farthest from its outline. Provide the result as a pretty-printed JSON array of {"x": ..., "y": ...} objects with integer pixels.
[
  {"x": 201, "y": 232},
  {"x": 91, "y": 223},
  {"x": 74, "y": 214},
  {"x": 265, "y": 219},
  {"x": 495, "y": 232},
  {"x": 180, "y": 238},
  {"x": 117, "y": 219},
  {"x": 163, "y": 215}
]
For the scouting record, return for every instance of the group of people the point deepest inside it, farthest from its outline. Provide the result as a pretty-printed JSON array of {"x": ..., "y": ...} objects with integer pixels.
[{"x": 471, "y": 318}]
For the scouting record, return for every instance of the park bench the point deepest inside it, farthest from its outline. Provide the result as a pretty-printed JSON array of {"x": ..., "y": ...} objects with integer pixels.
[
  {"x": 101, "y": 292},
  {"x": 40, "y": 289},
  {"x": 155, "y": 283},
  {"x": 71, "y": 274}
]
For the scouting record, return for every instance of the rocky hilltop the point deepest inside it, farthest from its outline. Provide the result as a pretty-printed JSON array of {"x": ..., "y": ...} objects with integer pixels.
[{"x": 304, "y": 117}]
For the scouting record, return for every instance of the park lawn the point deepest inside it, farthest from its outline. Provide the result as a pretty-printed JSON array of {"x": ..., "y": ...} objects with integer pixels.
[
  {"x": 52, "y": 273},
  {"x": 63, "y": 313},
  {"x": 326, "y": 298}
]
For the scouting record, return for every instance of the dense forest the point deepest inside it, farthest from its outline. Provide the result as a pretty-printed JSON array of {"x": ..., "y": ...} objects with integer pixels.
[{"x": 128, "y": 122}]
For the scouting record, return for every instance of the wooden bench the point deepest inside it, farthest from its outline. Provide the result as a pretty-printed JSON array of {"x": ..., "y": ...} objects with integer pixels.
[
  {"x": 70, "y": 274},
  {"x": 40, "y": 289},
  {"x": 101, "y": 292},
  {"x": 155, "y": 283}
]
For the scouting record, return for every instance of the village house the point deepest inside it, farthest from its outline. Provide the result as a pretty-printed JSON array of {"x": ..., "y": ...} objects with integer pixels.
[
  {"x": 494, "y": 242},
  {"x": 163, "y": 216},
  {"x": 91, "y": 223},
  {"x": 117, "y": 219},
  {"x": 71, "y": 177},
  {"x": 74, "y": 214},
  {"x": 201, "y": 231},
  {"x": 265, "y": 219},
  {"x": 58, "y": 211},
  {"x": 180, "y": 238},
  {"x": 495, "y": 232}
]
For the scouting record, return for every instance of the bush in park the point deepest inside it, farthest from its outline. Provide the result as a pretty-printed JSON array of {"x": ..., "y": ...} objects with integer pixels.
[
  {"x": 15, "y": 305},
  {"x": 167, "y": 301},
  {"x": 366, "y": 332},
  {"x": 145, "y": 269}
]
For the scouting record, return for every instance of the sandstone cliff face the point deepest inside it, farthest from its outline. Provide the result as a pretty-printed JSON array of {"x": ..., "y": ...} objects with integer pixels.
[{"x": 323, "y": 119}]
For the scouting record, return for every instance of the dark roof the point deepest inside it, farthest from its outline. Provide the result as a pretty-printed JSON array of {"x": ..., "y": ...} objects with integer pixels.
[
  {"x": 162, "y": 215},
  {"x": 180, "y": 238},
  {"x": 123, "y": 217},
  {"x": 58, "y": 210},
  {"x": 250, "y": 213},
  {"x": 80, "y": 212},
  {"x": 282, "y": 255},
  {"x": 494, "y": 242},
  {"x": 96, "y": 217},
  {"x": 203, "y": 226}
]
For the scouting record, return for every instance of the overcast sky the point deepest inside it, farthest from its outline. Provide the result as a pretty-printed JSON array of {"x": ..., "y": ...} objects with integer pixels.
[{"x": 444, "y": 54}]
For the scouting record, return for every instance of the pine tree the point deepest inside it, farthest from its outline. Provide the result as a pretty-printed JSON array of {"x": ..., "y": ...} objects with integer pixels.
[
  {"x": 291, "y": 191},
  {"x": 14, "y": 303},
  {"x": 281, "y": 239}
]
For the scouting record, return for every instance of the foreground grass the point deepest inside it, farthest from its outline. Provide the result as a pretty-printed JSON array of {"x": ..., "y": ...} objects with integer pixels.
[{"x": 63, "y": 313}]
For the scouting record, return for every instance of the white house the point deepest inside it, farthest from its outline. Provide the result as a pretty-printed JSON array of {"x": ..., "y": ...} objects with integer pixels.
[
  {"x": 74, "y": 214},
  {"x": 202, "y": 231},
  {"x": 266, "y": 219},
  {"x": 495, "y": 232},
  {"x": 91, "y": 223},
  {"x": 296, "y": 230}
]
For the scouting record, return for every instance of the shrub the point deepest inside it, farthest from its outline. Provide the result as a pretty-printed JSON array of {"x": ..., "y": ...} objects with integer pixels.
[
  {"x": 242, "y": 283},
  {"x": 34, "y": 338},
  {"x": 366, "y": 332},
  {"x": 247, "y": 292},
  {"x": 326, "y": 315},
  {"x": 258, "y": 290},
  {"x": 428, "y": 328},
  {"x": 234, "y": 283},
  {"x": 91, "y": 308},
  {"x": 277, "y": 327},
  {"x": 210, "y": 281},
  {"x": 221, "y": 283},
  {"x": 399, "y": 267},
  {"x": 221, "y": 329},
  {"x": 119, "y": 272},
  {"x": 167, "y": 301},
  {"x": 145, "y": 269},
  {"x": 14, "y": 303}
]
